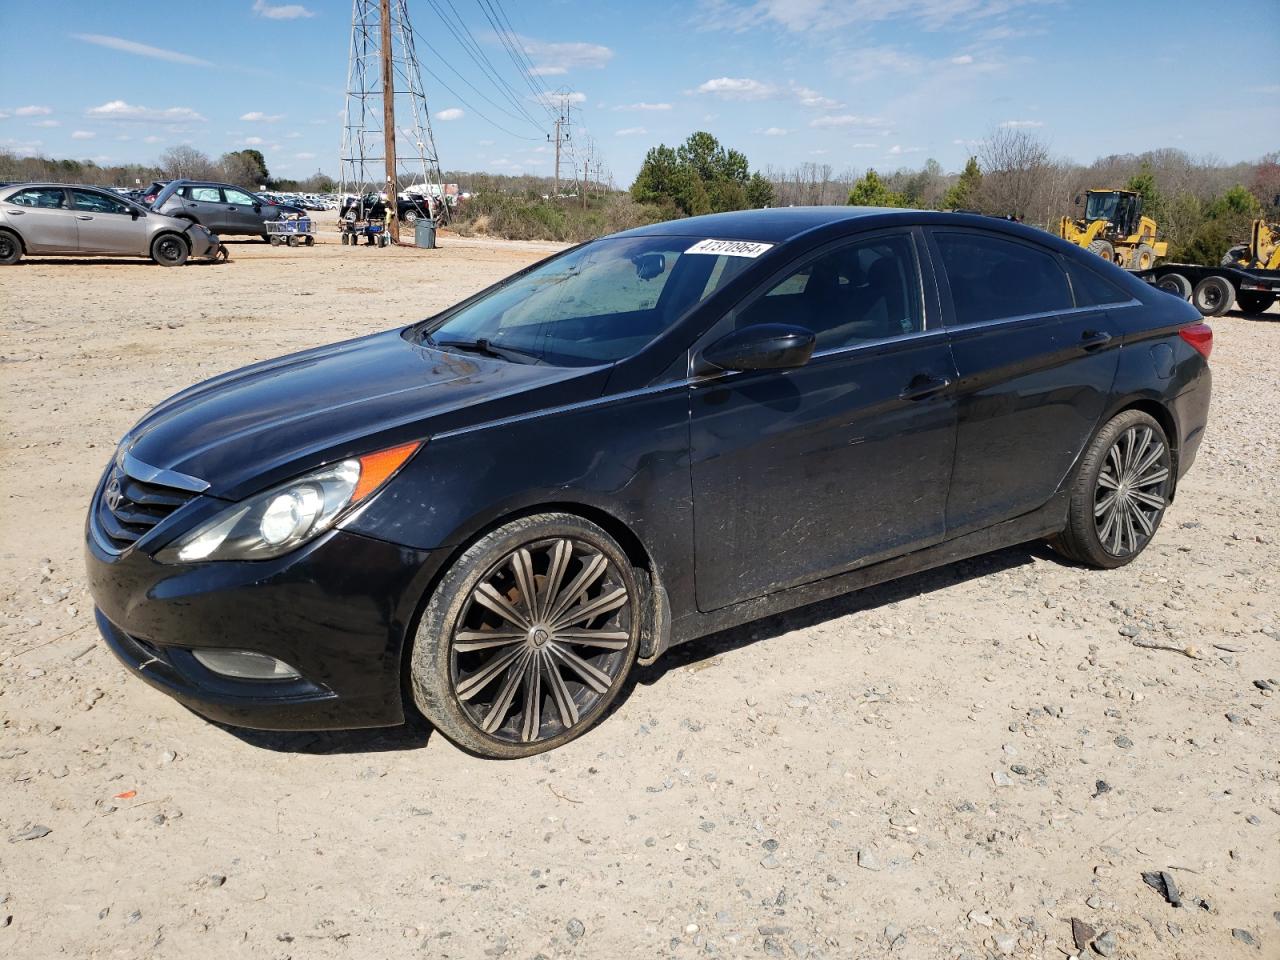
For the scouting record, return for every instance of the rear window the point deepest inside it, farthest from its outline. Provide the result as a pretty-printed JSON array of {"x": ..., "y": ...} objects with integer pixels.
[
  {"x": 46, "y": 198},
  {"x": 992, "y": 278},
  {"x": 1092, "y": 290}
]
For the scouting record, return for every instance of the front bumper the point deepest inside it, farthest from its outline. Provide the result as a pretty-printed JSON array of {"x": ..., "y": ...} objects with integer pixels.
[
  {"x": 337, "y": 610},
  {"x": 203, "y": 243}
]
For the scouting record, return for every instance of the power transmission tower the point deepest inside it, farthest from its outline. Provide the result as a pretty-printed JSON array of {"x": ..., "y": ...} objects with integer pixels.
[
  {"x": 561, "y": 134},
  {"x": 384, "y": 81}
]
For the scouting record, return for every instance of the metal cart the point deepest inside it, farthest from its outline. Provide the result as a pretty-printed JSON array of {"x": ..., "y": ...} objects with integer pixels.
[{"x": 291, "y": 230}]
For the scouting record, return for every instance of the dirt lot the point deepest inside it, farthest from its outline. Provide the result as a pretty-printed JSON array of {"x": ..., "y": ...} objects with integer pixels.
[{"x": 954, "y": 765}]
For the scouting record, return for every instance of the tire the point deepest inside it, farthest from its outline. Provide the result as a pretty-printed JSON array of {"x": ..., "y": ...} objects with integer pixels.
[
  {"x": 1104, "y": 249},
  {"x": 10, "y": 248},
  {"x": 410, "y": 216},
  {"x": 293, "y": 241},
  {"x": 169, "y": 250},
  {"x": 1176, "y": 284},
  {"x": 275, "y": 241},
  {"x": 311, "y": 241},
  {"x": 266, "y": 237},
  {"x": 1143, "y": 257},
  {"x": 1253, "y": 301},
  {"x": 345, "y": 239},
  {"x": 522, "y": 694},
  {"x": 1237, "y": 256},
  {"x": 1213, "y": 296},
  {"x": 1128, "y": 459}
]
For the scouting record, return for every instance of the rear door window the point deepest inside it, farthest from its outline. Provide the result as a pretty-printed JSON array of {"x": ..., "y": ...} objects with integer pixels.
[
  {"x": 93, "y": 202},
  {"x": 994, "y": 278},
  {"x": 203, "y": 194}
]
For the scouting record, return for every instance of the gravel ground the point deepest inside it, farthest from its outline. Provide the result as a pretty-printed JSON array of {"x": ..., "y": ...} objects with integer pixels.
[{"x": 957, "y": 764}]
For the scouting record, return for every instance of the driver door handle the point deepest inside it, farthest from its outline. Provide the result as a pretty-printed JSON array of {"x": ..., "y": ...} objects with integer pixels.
[
  {"x": 83, "y": 216},
  {"x": 923, "y": 386}
]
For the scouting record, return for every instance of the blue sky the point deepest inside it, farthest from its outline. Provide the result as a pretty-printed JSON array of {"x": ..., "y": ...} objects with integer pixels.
[{"x": 852, "y": 83}]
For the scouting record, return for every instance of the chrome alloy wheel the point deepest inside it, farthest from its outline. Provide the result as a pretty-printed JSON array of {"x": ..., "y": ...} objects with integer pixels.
[
  {"x": 541, "y": 640},
  {"x": 1132, "y": 490}
]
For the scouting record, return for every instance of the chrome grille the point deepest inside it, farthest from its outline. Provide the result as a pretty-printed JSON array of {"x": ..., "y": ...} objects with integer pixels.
[{"x": 128, "y": 507}]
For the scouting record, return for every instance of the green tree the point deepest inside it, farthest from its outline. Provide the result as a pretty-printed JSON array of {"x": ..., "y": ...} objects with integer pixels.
[
  {"x": 871, "y": 191},
  {"x": 1143, "y": 183},
  {"x": 964, "y": 193},
  {"x": 759, "y": 191},
  {"x": 245, "y": 168}
]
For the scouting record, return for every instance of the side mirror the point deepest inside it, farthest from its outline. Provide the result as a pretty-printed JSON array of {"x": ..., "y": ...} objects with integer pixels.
[
  {"x": 649, "y": 265},
  {"x": 765, "y": 346},
  {"x": 135, "y": 212},
  {"x": 257, "y": 208}
]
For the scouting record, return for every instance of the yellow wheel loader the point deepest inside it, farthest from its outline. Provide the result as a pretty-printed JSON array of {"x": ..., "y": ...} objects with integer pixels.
[
  {"x": 1114, "y": 228},
  {"x": 1262, "y": 252}
]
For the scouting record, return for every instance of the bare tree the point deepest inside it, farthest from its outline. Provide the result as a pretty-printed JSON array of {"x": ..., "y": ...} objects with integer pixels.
[
  {"x": 185, "y": 162},
  {"x": 1016, "y": 173}
]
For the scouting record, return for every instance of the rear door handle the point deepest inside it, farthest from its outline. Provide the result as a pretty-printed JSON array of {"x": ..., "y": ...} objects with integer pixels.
[
  {"x": 923, "y": 386},
  {"x": 1093, "y": 339},
  {"x": 83, "y": 216}
]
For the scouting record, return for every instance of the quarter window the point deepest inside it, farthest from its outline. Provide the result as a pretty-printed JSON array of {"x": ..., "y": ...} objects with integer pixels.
[
  {"x": 92, "y": 202},
  {"x": 46, "y": 198},
  {"x": 240, "y": 197},
  {"x": 865, "y": 290},
  {"x": 1092, "y": 290},
  {"x": 992, "y": 278}
]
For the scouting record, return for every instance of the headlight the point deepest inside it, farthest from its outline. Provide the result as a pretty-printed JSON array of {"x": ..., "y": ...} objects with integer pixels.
[{"x": 285, "y": 517}]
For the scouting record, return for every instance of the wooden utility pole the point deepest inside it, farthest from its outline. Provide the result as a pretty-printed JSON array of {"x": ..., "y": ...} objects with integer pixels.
[{"x": 389, "y": 122}]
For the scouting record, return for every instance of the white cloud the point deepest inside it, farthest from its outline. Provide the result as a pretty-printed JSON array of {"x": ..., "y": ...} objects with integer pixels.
[
  {"x": 963, "y": 59},
  {"x": 4, "y": 115},
  {"x": 305, "y": 156},
  {"x": 47, "y": 123},
  {"x": 553, "y": 100},
  {"x": 124, "y": 138},
  {"x": 775, "y": 132},
  {"x": 280, "y": 11},
  {"x": 967, "y": 143},
  {"x": 552, "y": 58},
  {"x": 738, "y": 88},
  {"x": 82, "y": 135},
  {"x": 865, "y": 146},
  {"x": 140, "y": 49},
  {"x": 630, "y": 131},
  {"x": 153, "y": 139},
  {"x": 22, "y": 148},
  {"x": 643, "y": 106},
  {"x": 119, "y": 110},
  {"x": 257, "y": 116},
  {"x": 1015, "y": 124},
  {"x": 33, "y": 111},
  {"x": 452, "y": 113},
  {"x": 845, "y": 120},
  {"x": 812, "y": 98},
  {"x": 897, "y": 150},
  {"x": 258, "y": 141},
  {"x": 484, "y": 143},
  {"x": 824, "y": 16}
]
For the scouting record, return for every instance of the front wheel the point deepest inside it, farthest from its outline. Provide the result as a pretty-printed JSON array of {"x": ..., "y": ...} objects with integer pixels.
[
  {"x": 1104, "y": 249},
  {"x": 1120, "y": 492},
  {"x": 169, "y": 250},
  {"x": 528, "y": 638}
]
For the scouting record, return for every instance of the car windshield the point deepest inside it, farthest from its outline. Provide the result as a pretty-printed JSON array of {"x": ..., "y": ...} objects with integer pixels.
[
  {"x": 597, "y": 304},
  {"x": 1101, "y": 206}
]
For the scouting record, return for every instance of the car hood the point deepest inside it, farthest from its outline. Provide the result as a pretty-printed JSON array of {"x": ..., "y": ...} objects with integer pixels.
[{"x": 252, "y": 427}]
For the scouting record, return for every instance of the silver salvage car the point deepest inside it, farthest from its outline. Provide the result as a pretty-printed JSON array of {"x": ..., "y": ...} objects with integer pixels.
[{"x": 62, "y": 219}]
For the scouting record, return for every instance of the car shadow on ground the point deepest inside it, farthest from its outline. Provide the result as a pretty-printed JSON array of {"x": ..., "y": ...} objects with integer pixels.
[
  {"x": 102, "y": 262},
  {"x": 417, "y": 734}
]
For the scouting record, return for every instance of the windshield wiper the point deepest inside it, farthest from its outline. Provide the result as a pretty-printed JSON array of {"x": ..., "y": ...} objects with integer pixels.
[{"x": 483, "y": 346}]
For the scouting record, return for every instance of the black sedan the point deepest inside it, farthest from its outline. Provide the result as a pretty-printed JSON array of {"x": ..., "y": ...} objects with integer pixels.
[{"x": 491, "y": 515}]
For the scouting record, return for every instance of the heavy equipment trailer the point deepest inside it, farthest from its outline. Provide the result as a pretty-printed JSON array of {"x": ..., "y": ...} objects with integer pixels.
[{"x": 1213, "y": 290}]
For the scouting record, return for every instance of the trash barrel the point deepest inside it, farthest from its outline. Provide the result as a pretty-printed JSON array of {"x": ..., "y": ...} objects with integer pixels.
[{"x": 424, "y": 233}]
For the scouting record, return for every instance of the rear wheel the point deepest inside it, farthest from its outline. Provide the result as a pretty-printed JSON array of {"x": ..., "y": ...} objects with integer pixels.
[
  {"x": 1176, "y": 284},
  {"x": 10, "y": 248},
  {"x": 1104, "y": 249},
  {"x": 410, "y": 216},
  {"x": 1213, "y": 296},
  {"x": 1252, "y": 301},
  {"x": 1120, "y": 492},
  {"x": 169, "y": 250},
  {"x": 1142, "y": 258},
  {"x": 528, "y": 638}
]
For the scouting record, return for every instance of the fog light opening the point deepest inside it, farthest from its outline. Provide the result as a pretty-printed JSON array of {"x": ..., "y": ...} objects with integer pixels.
[{"x": 245, "y": 665}]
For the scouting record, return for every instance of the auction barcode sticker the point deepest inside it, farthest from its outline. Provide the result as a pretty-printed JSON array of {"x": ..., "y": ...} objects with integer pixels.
[{"x": 730, "y": 248}]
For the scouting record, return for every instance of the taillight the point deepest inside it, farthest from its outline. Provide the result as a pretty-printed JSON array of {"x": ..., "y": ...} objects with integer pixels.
[{"x": 1200, "y": 336}]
